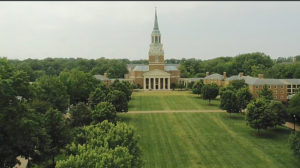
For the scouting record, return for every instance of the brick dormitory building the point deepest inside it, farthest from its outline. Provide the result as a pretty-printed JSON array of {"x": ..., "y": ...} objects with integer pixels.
[{"x": 282, "y": 89}]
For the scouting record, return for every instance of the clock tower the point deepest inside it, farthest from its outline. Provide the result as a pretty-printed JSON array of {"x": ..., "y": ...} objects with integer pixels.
[{"x": 156, "y": 52}]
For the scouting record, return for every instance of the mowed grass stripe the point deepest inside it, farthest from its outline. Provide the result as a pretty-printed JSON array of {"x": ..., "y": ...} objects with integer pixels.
[
  {"x": 208, "y": 140},
  {"x": 171, "y": 100}
]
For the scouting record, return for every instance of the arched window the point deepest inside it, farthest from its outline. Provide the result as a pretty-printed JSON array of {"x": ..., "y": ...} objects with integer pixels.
[{"x": 156, "y": 39}]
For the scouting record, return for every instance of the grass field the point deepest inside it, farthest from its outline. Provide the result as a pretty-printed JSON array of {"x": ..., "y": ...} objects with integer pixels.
[
  {"x": 184, "y": 140},
  {"x": 169, "y": 100},
  {"x": 208, "y": 140}
]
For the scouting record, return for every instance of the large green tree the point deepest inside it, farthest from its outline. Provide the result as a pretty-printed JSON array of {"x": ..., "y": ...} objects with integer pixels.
[
  {"x": 259, "y": 115},
  {"x": 209, "y": 92},
  {"x": 98, "y": 95},
  {"x": 229, "y": 102},
  {"x": 266, "y": 93},
  {"x": 104, "y": 111},
  {"x": 119, "y": 100},
  {"x": 104, "y": 145},
  {"x": 58, "y": 132},
  {"x": 51, "y": 89},
  {"x": 80, "y": 115},
  {"x": 79, "y": 85},
  {"x": 294, "y": 106},
  {"x": 197, "y": 87},
  {"x": 244, "y": 97}
]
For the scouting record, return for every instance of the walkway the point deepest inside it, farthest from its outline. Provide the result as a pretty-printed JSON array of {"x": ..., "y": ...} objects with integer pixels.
[{"x": 291, "y": 125}]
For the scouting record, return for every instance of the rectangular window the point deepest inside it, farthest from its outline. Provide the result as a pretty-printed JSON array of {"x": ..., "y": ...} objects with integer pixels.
[
  {"x": 275, "y": 97},
  {"x": 275, "y": 91},
  {"x": 282, "y": 86},
  {"x": 269, "y": 86},
  {"x": 275, "y": 86},
  {"x": 281, "y": 91},
  {"x": 281, "y": 97},
  {"x": 256, "y": 87}
]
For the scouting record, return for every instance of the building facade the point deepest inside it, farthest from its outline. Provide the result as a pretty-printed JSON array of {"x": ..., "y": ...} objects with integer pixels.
[{"x": 156, "y": 75}]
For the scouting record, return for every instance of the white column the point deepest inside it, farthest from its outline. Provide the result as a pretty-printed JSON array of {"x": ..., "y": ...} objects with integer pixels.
[
  {"x": 154, "y": 82},
  {"x": 144, "y": 83},
  {"x": 164, "y": 83},
  {"x": 149, "y": 82},
  {"x": 159, "y": 84},
  {"x": 169, "y": 83}
]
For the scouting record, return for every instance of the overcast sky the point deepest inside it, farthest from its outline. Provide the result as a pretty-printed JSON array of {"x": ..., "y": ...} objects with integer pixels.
[{"x": 202, "y": 30}]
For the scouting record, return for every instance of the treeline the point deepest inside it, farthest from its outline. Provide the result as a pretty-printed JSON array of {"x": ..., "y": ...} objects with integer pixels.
[
  {"x": 58, "y": 117},
  {"x": 251, "y": 64},
  {"x": 115, "y": 68}
]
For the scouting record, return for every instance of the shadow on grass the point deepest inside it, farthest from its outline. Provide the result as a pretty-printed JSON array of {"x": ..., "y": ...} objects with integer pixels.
[
  {"x": 273, "y": 133},
  {"x": 234, "y": 116}
]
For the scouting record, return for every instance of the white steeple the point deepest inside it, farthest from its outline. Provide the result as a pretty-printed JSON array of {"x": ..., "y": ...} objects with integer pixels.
[{"x": 156, "y": 46}]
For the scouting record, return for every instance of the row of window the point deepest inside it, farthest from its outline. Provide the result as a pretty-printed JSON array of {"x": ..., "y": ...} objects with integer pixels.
[
  {"x": 281, "y": 97},
  {"x": 270, "y": 86}
]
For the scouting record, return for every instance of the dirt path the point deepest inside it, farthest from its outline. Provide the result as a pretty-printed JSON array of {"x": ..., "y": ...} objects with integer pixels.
[
  {"x": 23, "y": 164},
  {"x": 176, "y": 111}
]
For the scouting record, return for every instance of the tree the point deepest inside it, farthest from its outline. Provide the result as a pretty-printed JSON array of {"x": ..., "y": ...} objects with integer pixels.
[
  {"x": 190, "y": 85},
  {"x": 180, "y": 85},
  {"x": 119, "y": 100},
  {"x": 124, "y": 87},
  {"x": 294, "y": 141},
  {"x": 197, "y": 87},
  {"x": 238, "y": 84},
  {"x": 259, "y": 115},
  {"x": 79, "y": 85},
  {"x": 104, "y": 145},
  {"x": 80, "y": 115},
  {"x": 280, "y": 111},
  {"x": 58, "y": 132},
  {"x": 266, "y": 93},
  {"x": 98, "y": 95},
  {"x": 244, "y": 97},
  {"x": 51, "y": 89},
  {"x": 104, "y": 111},
  {"x": 21, "y": 132},
  {"x": 229, "y": 102},
  {"x": 209, "y": 92},
  {"x": 294, "y": 106}
]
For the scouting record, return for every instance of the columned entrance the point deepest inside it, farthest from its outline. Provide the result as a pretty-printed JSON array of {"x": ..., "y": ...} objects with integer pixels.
[{"x": 156, "y": 80}]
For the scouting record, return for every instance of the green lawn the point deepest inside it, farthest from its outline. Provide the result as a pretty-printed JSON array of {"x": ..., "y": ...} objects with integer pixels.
[
  {"x": 184, "y": 140},
  {"x": 169, "y": 100}
]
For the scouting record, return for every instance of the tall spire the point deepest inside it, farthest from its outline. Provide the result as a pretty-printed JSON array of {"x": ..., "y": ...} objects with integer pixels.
[{"x": 155, "y": 21}]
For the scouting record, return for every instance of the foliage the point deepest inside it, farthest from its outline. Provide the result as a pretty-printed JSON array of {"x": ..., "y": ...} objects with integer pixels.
[
  {"x": 180, "y": 85},
  {"x": 259, "y": 115},
  {"x": 79, "y": 85},
  {"x": 98, "y": 95},
  {"x": 244, "y": 97},
  {"x": 294, "y": 141},
  {"x": 51, "y": 89},
  {"x": 58, "y": 132},
  {"x": 119, "y": 100},
  {"x": 104, "y": 145},
  {"x": 197, "y": 87},
  {"x": 294, "y": 106},
  {"x": 280, "y": 111},
  {"x": 124, "y": 87},
  {"x": 80, "y": 115},
  {"x": 209, "y": 92},
  {"x": 229, "y": 102},
  {"x": 104, "y": 111},
  {"x": 265, "y": 93},
  {"x": 21, "y": 128},
  {"x": 238, "y": 84},
  {"x": 190, "y": 85}
]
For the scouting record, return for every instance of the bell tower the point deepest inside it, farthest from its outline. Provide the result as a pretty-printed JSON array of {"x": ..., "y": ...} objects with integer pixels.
[{"x": 156, "y": 52}]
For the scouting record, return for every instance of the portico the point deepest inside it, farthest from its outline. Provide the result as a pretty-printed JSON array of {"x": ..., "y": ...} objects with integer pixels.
[{"x": 156, "y": 80}]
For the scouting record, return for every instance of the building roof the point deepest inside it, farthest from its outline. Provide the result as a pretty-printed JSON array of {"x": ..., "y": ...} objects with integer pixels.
[
  {"x": 215, "y": 76},
  {"x": 264, "y": 81},
  {"x": 100, "y": 77},
  {"x": 168, "y": 67}
]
